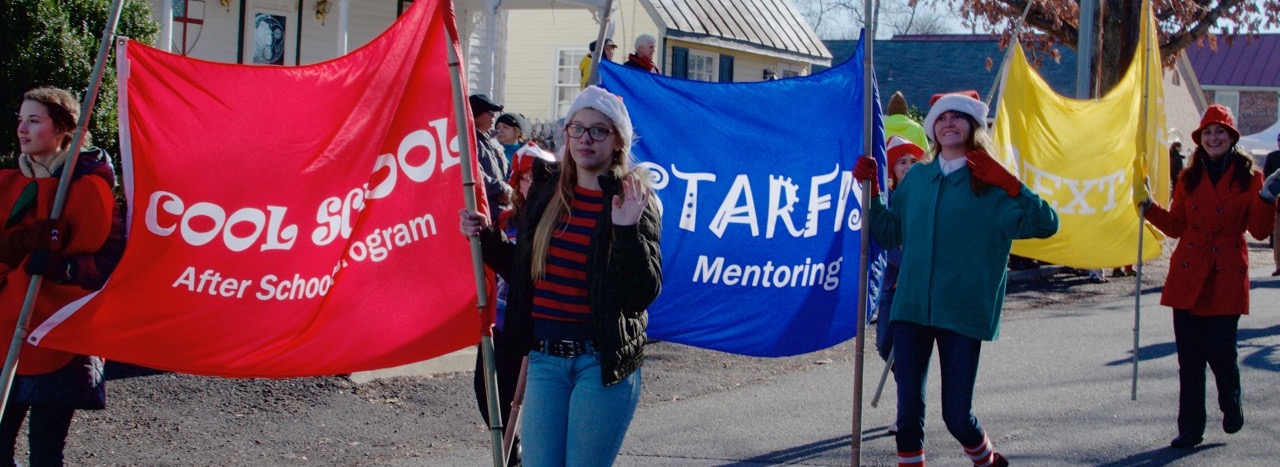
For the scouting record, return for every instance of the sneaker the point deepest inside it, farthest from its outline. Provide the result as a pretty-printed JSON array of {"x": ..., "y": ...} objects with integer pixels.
[
  {"x": 998, "y": 460},
  {"x": 892, "y": 429},
  {"x": 1117, "y": 272},
  {"x": 1275, "y": 273},
  {"x": 1182, "y": 442},
  {"x": 1098, "y": 279}
]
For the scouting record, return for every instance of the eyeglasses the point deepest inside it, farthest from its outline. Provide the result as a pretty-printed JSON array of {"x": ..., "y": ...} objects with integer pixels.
[{"x": 598, "y": 133}]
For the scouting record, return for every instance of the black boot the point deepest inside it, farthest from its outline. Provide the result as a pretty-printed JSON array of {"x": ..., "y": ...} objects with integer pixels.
[
  {"x": 1233, "y": 418},
  {"x": 1185, "y": 442}
]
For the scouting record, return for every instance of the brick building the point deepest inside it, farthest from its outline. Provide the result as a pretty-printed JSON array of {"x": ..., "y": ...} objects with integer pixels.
[{"x": 1243, "y": 74}]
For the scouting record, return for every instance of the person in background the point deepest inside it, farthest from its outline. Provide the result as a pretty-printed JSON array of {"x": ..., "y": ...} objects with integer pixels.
[
  {"x": 1269, "y": 167},
  {"x": 1176, "y": 161},
  {"x": 508, "y": 354},
  {"x": 592, "y": 212},
  {"x": 584, "y": 66},
  {"x": 898, "y": 123},
  {"x": 646, "y": 46},
  {"x": 901, "y": 155},
  {"x": 75, "y": 254},
  {"x": 493, "y": 166},
  {"x": 956, "y": 218},
  {"x": 1219, "y": 197},
  {"x": 513, "y": 129}
]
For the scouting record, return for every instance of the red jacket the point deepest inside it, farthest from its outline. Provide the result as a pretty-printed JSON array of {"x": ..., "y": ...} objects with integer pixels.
[
  {"x": 1209, "y": 270},
  {"x": 89, "y": 211}
]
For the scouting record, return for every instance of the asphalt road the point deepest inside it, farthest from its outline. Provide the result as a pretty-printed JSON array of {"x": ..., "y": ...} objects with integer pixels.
[{"x": 1053, "y": 390}]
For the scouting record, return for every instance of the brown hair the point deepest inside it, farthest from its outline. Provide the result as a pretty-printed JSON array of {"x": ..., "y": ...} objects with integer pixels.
[
  {"x": 63, "y": 108},
  {"x": 979, "y": 138},
  {"x": 1236, "y": 157}
]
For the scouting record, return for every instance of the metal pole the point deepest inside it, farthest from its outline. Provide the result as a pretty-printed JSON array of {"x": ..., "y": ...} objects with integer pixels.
[
  {"x": 884, "y": 375},
  {"x": 344, "y": 13},
  {"x": 1008, "y": 55},
  {"x": 1084, "y": 48},
  {"x": 605, "y": 17},
  {"x": 166, "y": 26},
  {"x": 477, "y": 260},
  {"x": 1147, "y": 40},
  {"x": 60, "y": 198},
  {"x": 864, "y": 234}
]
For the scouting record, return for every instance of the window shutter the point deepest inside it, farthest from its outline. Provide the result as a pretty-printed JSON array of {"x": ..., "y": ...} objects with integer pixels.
[
  {"x": 726, "y": 68},
  {"x": 680, "y": 62}
]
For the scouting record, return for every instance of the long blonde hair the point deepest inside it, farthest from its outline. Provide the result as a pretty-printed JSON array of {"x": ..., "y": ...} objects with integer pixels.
[{"x": 559, "y": 206}]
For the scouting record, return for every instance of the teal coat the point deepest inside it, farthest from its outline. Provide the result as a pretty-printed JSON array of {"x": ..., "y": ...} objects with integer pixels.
[{"x": 955, "y": 247}]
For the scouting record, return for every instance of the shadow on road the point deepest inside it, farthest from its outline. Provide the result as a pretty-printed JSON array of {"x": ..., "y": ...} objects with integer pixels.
[
  {"x": 1161, "y": 456},
  {"x": 1265, "y": 357},
  {"x": 796, "y": 454},
  {"x": 116, "y": 370}
]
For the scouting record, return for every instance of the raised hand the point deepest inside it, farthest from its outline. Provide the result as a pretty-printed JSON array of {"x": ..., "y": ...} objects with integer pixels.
[
  {"x": 629, "y": 203},
  {"x": 987, "y": 170},
  {"x": 865, "y": 171}
]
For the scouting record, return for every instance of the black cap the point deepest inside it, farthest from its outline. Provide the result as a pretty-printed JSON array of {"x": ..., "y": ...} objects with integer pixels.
[
  {"x": 481, "y": 103},
  {"x": 607, "y": 43},
  {"x": 515, "y": 120}
]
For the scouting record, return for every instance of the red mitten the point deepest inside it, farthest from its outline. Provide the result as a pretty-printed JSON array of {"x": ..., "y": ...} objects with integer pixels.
[
  {"x": 866, "y": 171},
  {"x": 988, "y": 171}
]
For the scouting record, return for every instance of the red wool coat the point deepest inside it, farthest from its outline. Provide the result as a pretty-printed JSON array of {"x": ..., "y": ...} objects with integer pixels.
[{"x": 1209, "y": 270}]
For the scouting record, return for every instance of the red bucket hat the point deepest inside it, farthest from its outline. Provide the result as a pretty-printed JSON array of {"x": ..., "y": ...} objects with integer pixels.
[
  {"x": 898, "y": 146},
  {"x": 1221, "y": 115}
]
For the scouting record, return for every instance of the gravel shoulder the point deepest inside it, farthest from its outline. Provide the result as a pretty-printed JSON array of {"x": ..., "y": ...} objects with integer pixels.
[{"x": 156, "y": 418}]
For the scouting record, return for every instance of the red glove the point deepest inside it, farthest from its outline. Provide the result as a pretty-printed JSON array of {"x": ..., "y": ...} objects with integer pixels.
[
  {"x": 866, "y": 171},
  {"x": 988, "y": 171},
  {"x": 45, "y": 234}
]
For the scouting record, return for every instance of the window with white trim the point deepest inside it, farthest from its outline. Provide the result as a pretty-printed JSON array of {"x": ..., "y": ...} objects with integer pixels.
[
  {"x": 567, "y": 79},
  {"x": 1230, "y": 99},
  {"x": 702, "y": 66}
]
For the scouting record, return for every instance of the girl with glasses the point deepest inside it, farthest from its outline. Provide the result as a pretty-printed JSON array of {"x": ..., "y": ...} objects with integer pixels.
[{"x": 582, "y": 273}]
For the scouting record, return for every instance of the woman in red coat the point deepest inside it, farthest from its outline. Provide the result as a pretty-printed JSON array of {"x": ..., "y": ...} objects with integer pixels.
[{"x": 1219, "y": 196}]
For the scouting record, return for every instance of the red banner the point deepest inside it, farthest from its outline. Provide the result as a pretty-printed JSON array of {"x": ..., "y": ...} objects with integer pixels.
[{"x": 287, "y": 221}]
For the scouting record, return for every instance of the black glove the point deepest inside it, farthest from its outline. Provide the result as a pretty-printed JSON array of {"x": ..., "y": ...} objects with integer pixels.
[
  {"x": 50, "y": 266},
  {"x": 1270, "y": 187}
]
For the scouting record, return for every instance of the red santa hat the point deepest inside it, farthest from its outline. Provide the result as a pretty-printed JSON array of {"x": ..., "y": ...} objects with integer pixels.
[
  {"x": 522, "y": 160},
  {"x": 965, "y": 102}
]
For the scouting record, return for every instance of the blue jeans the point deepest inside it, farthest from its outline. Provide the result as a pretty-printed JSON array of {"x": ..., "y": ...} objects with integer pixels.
[
  {"x": 570, "y": 418},
  {"x": 958, "y": 358}
]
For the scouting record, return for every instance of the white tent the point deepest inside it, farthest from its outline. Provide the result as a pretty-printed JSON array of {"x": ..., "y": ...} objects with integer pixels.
[{"x": 1263, "y": 142}]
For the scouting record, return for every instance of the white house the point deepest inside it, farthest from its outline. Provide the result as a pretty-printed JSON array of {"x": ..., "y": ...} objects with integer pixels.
[{"x": 524, "y": 53}]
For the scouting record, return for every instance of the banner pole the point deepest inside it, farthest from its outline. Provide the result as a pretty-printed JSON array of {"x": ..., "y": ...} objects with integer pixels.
[
  {"x": 60, "y": 198},
  {"x": 477, "y": 260},
  {"x": 1142, "y": 210},
  {"x": 598, "y": 54},
  {"x": 864, "y": 235},
  {"x": 1008, "y": 54},
  {"x": 884, "y": 375}
]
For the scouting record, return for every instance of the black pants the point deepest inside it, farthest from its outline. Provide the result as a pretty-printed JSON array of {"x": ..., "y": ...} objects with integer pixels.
[
  {"x": 1201, "y": 340},
  {"x": 507, "y": 360},
  {"x": 47, "y": 432}
]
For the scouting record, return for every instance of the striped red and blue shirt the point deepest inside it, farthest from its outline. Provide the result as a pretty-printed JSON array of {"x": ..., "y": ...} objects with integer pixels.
[{"x": 560, "y": 306}]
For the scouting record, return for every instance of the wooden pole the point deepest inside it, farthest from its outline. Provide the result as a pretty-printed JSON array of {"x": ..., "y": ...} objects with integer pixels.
[
  {"x": 477, "y": 260},
  {"x": 605, "y": 17}
]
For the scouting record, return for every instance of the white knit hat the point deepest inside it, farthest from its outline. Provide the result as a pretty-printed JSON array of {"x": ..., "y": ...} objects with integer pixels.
[
  {"x": 962, "y": 102},
  {"x": 595, "y": 97}
]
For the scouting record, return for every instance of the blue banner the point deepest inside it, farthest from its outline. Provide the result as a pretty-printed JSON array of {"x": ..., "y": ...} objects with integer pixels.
[{"x": 761, "y": 215}]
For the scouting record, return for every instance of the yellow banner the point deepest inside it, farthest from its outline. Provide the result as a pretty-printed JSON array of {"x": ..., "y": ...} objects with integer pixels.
[{"x": 1087, "y": 158}]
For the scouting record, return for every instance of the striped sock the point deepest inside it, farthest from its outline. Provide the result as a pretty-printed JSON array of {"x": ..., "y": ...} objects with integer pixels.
[
  {"x": 911, "y": 459},
  {"x": 981, "y": 454}
]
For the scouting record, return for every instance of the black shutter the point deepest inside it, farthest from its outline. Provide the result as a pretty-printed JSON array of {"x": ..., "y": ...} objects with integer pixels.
[
  {"x": 680, "y": 62},
  {"x": 726, "y": 68}
]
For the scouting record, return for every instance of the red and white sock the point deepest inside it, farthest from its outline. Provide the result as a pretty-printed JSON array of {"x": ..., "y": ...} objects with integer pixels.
[
  {"x": 981, "y": 454},
  {"x": 911, "y": 459}
]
